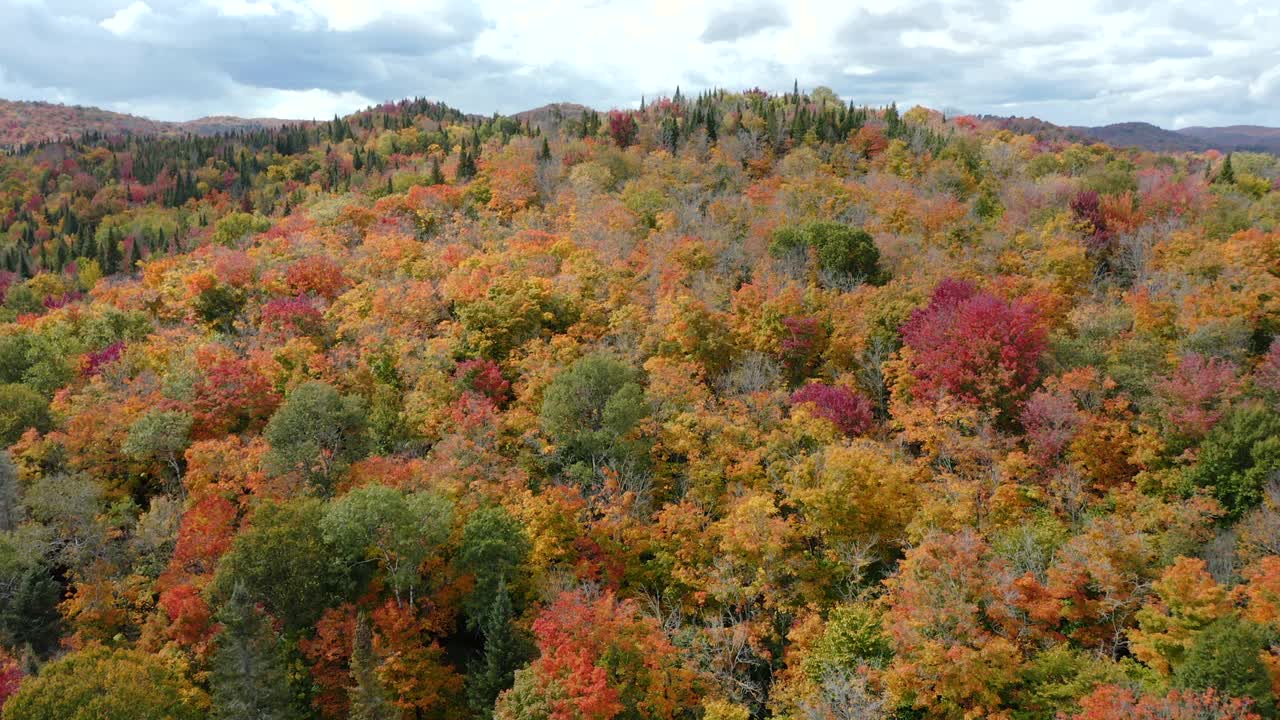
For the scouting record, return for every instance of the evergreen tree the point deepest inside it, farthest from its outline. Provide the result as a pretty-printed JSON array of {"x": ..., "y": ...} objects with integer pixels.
[
  {"x": 437, "y": 177},
  {"x": 1227, "y": 175},
  {"x": 368, "y": 696},
  {"x": 544, "y": 154},
  {"x": 504, "y": 653},
  {"x": 1226, "y": 657},
  {"x": 248, "y": 677}
]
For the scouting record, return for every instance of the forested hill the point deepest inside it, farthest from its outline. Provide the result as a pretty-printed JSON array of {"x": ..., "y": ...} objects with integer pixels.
[
  {"x": 31, "y": 123},
  {"x": 734, "y": 406}
]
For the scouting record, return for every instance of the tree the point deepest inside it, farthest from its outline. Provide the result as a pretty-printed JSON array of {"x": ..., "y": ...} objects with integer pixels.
[
  {"x": 841, "y": 250},
  {"x": 398, "y": 531},
  {"x": 622, "y": 127},
  {"x": 99, "y": 683},
  {"x": 21, "y": 408},
  {"x": 975, "y": 347},
  {"x": 368, "y": 697},
  {"x": 248, "y": 672},
  {"x": 283, "y": 560},
  {"x": 1237, "y": 458},
  {"x": 10, "y": 512},
  {"x": 317, "y": 434},
  {"x": 505, "y": 651},
  {"x": 590, "y": 411},
  {"x": 494, "y": 544},
  {"x": 846, "y": 409},
  {"x": 160, "y": 436},
  {"x": 1226, "y": 657}
]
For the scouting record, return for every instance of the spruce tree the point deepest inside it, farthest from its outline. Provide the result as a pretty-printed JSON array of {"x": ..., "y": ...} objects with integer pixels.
[
  {"x": 1227, "y": 175},
  {"x": 544, "y": 154},
  {"x": 368, "y": 696},
  {"x": 504, "y": 653},
  {"x": 248, "y": 677},
  {"x": 437, "y": 177}
]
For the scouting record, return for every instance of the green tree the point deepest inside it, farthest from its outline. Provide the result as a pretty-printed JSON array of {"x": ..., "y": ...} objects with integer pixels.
[
  {"x": 99, "y": 683},
  {"x": 219, "y": 306},
  {"x": 21, "y": 408},
  {"x": 10, "y": 513},
  {"x": 248, "y": 672},
  {"x": 1238, "y": 457},
  {"x": 1226, "y": 656},
  {"x": 160, "y": 436},
  {"x": 494, "y": 544},
  {"x": 841, "y": 250},
  {"x": 590, "y": 410},
  {"x": 395, "y": 530},
  {"x": 368, "y": 695},
  {"x": 316, "y": 433},
  {"x": 283, "y": 560},
  {"x": 505, "y": 651}
]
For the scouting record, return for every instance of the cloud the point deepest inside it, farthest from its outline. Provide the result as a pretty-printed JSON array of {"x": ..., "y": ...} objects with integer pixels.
[
  {"x": 1092, "y": 62},
  {"x": 740, "y": 22}
]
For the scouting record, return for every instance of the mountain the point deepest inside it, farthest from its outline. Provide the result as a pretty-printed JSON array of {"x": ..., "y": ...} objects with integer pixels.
[
  {"x": 1145, "y": 136},
  {"x": 23, "y": 122},
  {"x": 1237, "y": 137}
]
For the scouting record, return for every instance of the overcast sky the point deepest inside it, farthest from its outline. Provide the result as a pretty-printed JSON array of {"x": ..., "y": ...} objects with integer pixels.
[{"x": 1069, "y": 61}]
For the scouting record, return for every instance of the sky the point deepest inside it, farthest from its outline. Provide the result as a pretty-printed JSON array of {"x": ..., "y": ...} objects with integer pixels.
[{"x": 1081, "y": 62}]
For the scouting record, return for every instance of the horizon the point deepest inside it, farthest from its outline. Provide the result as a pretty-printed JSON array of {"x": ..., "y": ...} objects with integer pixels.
[{"x": 1173, "y": 65}]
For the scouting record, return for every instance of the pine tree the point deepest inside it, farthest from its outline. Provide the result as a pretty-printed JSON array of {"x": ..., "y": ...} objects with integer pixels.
[
  {"x": 437, "y": 177},
  {"x": 1227, "y": 175},
  {"x": 248, "y": 675},
  {"x": 544, "y": 154},
  {"x": 368, "y": 696},
  {"x": 504, "y": 653}
]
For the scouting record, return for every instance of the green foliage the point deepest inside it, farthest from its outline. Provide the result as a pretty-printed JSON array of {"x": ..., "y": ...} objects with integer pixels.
[
  {"x": 590, "y": 411},
  {"x": 494, "y": 545},
  {"x": 505, "y": 651},
  {"x": 248, "y": 675},
  {"x": 841, "y": 250},
  {"x": 236, "y": 226},
  {"x": 1226, "y": 656},
  {"x": 316, "y": 433},
  {"x": 21, "y": 408},
  {"x": 283, "y": 560},
  {"x": 160, "y": 435},
  {"x": 99, "y": 683},
  {"x": 395, "y": 530},
  {"x": 219, "y": 307},
  {"x": 854, "y": 636},
  {"x": 1238, "y": 458},
  {"x": 512, "y": 313}
]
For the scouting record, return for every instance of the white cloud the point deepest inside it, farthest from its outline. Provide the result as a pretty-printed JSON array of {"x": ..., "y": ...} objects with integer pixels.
[{"x": 127, "y": 18}]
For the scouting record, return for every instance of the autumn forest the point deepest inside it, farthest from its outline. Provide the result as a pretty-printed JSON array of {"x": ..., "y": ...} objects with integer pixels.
[{"x": 729, "y": 406}]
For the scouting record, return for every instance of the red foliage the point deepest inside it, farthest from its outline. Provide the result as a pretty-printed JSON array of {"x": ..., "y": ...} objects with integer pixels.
[
  {"x": 484, "y": 377},
  {"x": 975, "y": 346},
  {"x": 295, "y": 316},
  {"x": 1194, "y": 393},
  {"x": 316, "y": 274},
  {"x": 622, "y": 127},
  {"x": 1111, "y": 702},
  {"x": 802, "y": 345},
  {"x": 94, "y": 362},
  {"x": 10, "y": 677},
  {"x": 231, "y": 397},
  {"x": 189, "y": 615},
  {"x": 205, "y": 534},
  {"x": 1267, "y": 374},
  {"x": 1087, "y": 208},
  {"x": 605, "y": 658},
  {"x": 848, "y": 410}
]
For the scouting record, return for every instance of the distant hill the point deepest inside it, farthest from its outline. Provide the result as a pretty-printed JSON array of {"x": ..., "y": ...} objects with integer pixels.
[
  {"x": 32, "y": 122},
  {"x": 1237, "y": 137},
  {"x": 1145, "y": 136}
]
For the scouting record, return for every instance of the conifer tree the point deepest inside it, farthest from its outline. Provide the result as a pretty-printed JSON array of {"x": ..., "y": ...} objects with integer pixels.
[
  {"x": 249, "y": 679},
  {"x": 368, "y": 696},
  {"x": 504, "y": 653}
]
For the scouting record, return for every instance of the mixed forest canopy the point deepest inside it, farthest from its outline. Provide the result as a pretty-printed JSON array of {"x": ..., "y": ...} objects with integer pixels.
[{"x": 737, "y": 405}]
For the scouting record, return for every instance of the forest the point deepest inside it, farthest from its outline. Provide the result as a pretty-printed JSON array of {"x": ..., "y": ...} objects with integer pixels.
[{"x": 730, "y": 406}]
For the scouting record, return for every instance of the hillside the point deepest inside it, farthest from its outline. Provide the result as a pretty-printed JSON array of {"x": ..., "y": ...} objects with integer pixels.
[
  {"x": 1237, "y": 137},
  {"x": 742, "y": 406},
  {"x": 1148, "y": 137},
  {"x": 34, "y": 122}
]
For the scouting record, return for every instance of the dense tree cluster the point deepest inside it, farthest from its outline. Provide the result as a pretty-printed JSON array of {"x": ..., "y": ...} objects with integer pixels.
[{"x": 733, "y": 406}]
